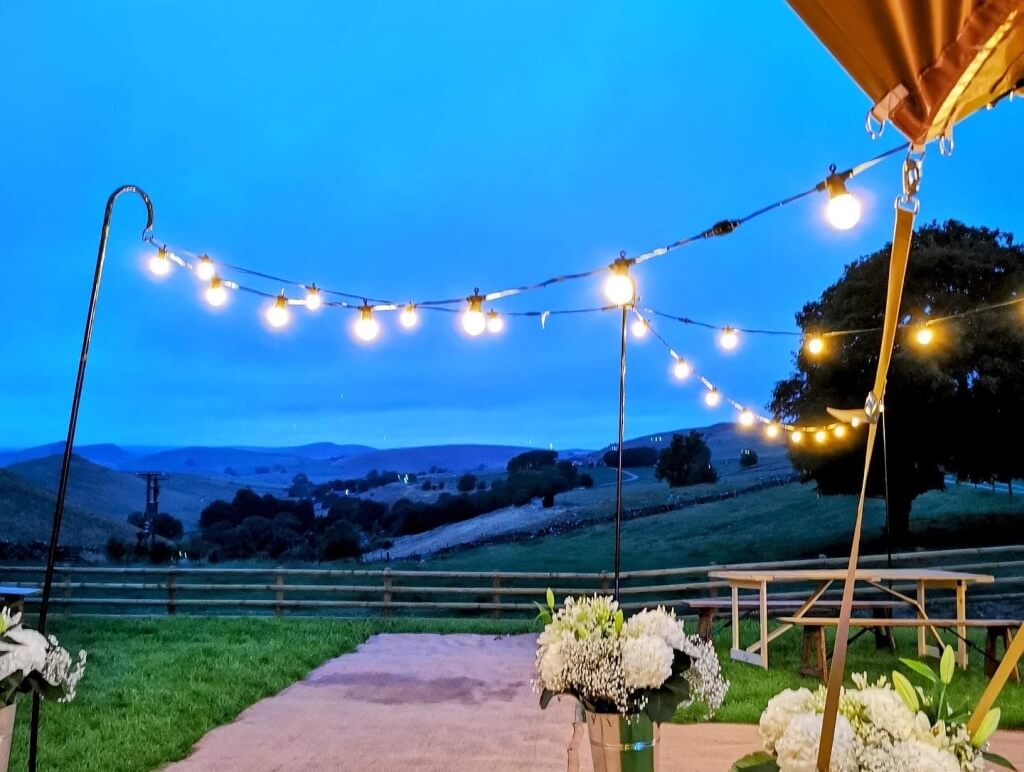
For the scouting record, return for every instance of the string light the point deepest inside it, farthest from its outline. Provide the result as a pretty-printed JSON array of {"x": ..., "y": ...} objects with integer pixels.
[
  {"x": 712, "y": 398},
  {"x": 216, "y": 295},
  {"x": 729, "y": 339},
  {"x": 839, "y": 431},
  {"x": 473, "y": 320},
  {"x": 160, "y": 263},
  {"x": 820, "y": 436},
  {"x": 771, "y": 431},
  {"x": 619, "y": 287},
  {"x": 815, "y": 345},
  {"x": 408, "y": 318},
  {"x": 924, "y": 335},
  {"x": 746, "y": 418},
  {"x": 797, "y": 437},
  {"x": 682, "y": 369},
  {"x": 855, "y": 422},
  {"x": 639, "y": 328},
  {"x": 366, "y": 327},
  {"x": 495, "y": 322},
  {"x": 842, "y": 210},
  {"x": 205, "y": 268},
  {"x": 314, "y": 298},
  {"x": 277, "y": 313}
]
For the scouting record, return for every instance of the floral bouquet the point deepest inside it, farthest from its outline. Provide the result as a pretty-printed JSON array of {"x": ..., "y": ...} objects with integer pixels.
[
  {"x": 643, "y": 665},
  {"x": 30, "y": 662},
  {"x": 881, "y": 727}
]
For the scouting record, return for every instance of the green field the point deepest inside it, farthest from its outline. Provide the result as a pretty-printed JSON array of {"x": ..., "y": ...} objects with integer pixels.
[{"x": 154, "y": 687}]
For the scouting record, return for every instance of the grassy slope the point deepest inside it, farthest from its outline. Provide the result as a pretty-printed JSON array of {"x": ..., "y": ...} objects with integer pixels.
[{"x": 154, "y": 687}]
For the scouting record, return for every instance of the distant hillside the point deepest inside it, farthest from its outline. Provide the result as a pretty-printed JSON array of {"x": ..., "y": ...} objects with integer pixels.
[
  {"x": 106, "y": 454},
  {"x": 26, "y": 515},
  {"x": 241, "y": 464},
  {"x": 115, "y": 495},
  {"x": 454, "y": 458},
  {"x": 319, "y": 451}
]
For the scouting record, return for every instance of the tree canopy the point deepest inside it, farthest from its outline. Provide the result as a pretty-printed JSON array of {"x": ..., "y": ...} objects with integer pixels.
[
  {"x": 686, "y": 461},
  {"x": 947, "y": 404}
]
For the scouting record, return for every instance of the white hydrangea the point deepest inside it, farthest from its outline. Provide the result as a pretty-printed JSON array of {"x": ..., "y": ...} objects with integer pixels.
[
  {"x": 780, "y": 711},
  {"x": 22, "y": 650},
  {"x": 797, "y": 749},
  {"x": 27, "y": 651},
  {"x": 885, "y": 708},
  {"x": 914, "y": 755},
  {"x": 660, "y": 623},
  {"x": 646, "y": 661}
]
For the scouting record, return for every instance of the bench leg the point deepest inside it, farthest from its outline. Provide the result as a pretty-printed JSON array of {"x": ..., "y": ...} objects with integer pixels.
[
  {"x": 993, "y": 635},
  {"x": 705, "y": 623},
  {"x": 814, "y": 659}
]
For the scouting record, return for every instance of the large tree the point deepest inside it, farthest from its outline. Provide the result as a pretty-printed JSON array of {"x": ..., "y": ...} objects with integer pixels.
[{"x": 953, "y": 406}]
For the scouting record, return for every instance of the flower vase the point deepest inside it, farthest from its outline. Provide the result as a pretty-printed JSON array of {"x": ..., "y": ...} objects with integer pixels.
[
  {"x": 6, "y": 733},
  {"x": 623, "y": 743}
]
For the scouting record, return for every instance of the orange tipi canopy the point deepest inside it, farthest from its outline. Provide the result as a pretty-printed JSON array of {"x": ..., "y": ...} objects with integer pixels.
[{"x": 925, "y": 64}]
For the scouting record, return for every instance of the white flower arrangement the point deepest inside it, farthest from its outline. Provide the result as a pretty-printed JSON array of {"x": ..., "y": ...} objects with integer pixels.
[
  {"x": 646, "y": 664},
  {"x": 881, "y": 727},
  {"x": 31, "y": 662}
]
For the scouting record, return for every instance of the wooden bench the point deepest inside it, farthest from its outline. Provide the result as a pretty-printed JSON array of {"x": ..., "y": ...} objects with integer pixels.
[
  {"x": 814, "y": 657},
  {"x": 13, "y": 597}
]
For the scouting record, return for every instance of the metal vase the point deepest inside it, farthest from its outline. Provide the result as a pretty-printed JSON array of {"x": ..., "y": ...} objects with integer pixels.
[
  {"x": 6, "y": 732},
  {"x": 623, "y": 743}
]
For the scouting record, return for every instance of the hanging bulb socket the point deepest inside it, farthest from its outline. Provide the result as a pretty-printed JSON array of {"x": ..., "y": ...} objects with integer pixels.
[
  {"x": 314, "y": 298},
  {"x": 473, "y": 320},
  {"x": 619, "y": 287}
]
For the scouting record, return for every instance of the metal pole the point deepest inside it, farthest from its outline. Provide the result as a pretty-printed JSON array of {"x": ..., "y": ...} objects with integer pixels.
[
  {"x": 65, "y": 464},
  {"x": 885, "y": 477},
  {"x": 618, "y": 468}
]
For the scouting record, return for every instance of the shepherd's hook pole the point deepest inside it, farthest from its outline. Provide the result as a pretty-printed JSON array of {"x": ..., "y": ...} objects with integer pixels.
[
  {"x": 618, "y": 468},
  {"x": 65, "y": 464}
]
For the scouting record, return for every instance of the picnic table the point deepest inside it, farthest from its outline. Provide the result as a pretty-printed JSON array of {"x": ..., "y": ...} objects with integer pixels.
[
  {"x": 923, "y": 579},
  {"x": 13, "y": 597}
]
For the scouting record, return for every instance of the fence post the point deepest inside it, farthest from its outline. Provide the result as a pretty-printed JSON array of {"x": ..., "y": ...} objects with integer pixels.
[
  {"x": 496, "y": 598},
  {"x": 605, "y": 585},
  {"x": 386, "y": 608},
  {"x": 172, "y": 593},
  {"x": 67, "y": 592},
  {"x": 278, "y": 593}
]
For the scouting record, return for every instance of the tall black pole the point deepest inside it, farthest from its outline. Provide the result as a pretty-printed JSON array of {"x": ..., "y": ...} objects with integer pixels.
[
  {"x": 618, "y": 468},
  {"x": 65, "y": 464}
]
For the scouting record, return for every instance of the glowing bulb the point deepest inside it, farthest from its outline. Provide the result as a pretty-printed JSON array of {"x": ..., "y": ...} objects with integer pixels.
[
  {"x": 216, "y": 295},
  {"x": 366, "y": 327},
  {"x": 729, "y": 339},
  {"x": 746, "y": 418},
  {"x": 619, "y": 287},
  {"x": 842, "y": 210},
  {"x": 854, "y": 422},
  {"x": 473, "y": 320},
  {"x": 205, "y": 269},
  {"x": 839, "y": 431},
  {"x": 408, "y": 318},
  {"x": 815, "y": 345},
  {"x": 314, "y": 299},
  {"x": 681, "y": 369},
  {"x": 639, "y": 328},
  {"x": 820, "y": 436},
  {"x": 712, "y": 398},
  {"x": 160, "y": 263},
  {"x": 797, "y": 437},
  {"x": 277, "y": 314},
  {"x": 771, "y": 431},
  {"x": 924, "y": 335},
  {"x": 495, "y": 322}
]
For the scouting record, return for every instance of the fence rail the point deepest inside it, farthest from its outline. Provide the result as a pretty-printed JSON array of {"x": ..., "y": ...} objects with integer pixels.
[{"x": 362, "y": 592}]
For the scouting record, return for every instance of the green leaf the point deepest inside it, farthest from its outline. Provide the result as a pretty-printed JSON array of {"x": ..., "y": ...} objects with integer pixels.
[
  {"x": 545, "y": 698},
  {"x": 661, "y": 705},
  {"x": 756, "y": 762},
  {"x": 921, "y": 669},
  {"x": 995, "y": 758}
]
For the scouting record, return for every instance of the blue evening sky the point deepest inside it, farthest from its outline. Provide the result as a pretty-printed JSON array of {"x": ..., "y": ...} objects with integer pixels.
[{"x": 419, "y": 149}]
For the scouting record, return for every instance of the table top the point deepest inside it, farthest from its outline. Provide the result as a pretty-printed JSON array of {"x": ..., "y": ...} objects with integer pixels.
[
  {"x": 925, "y": 575},
  {"x": 11, "y": 591}
]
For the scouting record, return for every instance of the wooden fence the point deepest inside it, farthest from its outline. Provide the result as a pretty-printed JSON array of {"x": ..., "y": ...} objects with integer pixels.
[{"x": 356, "y": 592}]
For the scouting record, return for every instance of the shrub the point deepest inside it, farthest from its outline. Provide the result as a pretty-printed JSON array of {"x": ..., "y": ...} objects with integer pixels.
[
  {"x": 631, "y": 457},
  {"x": 116, "y": 549},
  {"x": 586, "y": 481},
  {"x": 748, "y": 458},
  {"x": 467, "y": 483}
]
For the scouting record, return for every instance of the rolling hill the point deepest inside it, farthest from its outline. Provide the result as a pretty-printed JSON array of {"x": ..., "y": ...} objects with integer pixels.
[
  {"x": 454, "y": 458},
  {"x": 106, "y": 454}
]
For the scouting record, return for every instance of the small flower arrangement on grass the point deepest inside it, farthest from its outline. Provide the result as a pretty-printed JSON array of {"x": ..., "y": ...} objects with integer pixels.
[
  {"x": 646, "y": 664},
  {"x": 31, "y": 662},
  {"x": 882, "y": 727}
]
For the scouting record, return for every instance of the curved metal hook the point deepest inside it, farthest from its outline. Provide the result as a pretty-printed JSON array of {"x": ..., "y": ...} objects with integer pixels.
[{"x": 147, "y": 232}]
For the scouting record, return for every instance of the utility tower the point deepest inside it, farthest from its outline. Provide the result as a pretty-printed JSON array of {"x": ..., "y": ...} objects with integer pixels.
[{"x": 152, "y": 503}]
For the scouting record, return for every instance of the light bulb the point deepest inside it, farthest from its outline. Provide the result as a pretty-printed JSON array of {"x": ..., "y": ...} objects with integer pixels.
[
  {"x": 682, "y": 369},
  {"x": 924, "y": 335},
  {"x": 639, "y": 328},
  {"x": 797, "y": 437},
  {"x": 408, "y": 318},
  {"x": 314, "y": 298},
  {"x": 216, "y": 295},
  {"x": 473, "y": 320},
  {"x": 160, "y": 263},
  {"x": 815, "y": 345},
  {"x": 771, "y": 431},
  {"x": 854, "y": 422},
  {"x": 495, "y": 322},
  {"x": 205, "y": 269},
  {"x": 842, "y": 210},
  {"x": 619, "y": 287},
  {"x": 729, "y": 339},
  {"x": 712, "y": 398},
  {"x": 820, "y": 436},
  {"x": 366, "y": 327},
  {"x": 746, "y": 418},
  {"x": 277, "y": 313},
  {"x": 839, "y": 431}
]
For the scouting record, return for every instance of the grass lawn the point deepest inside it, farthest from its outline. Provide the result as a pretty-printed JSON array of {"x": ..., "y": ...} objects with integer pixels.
[{"x": 154, "y": 687}]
